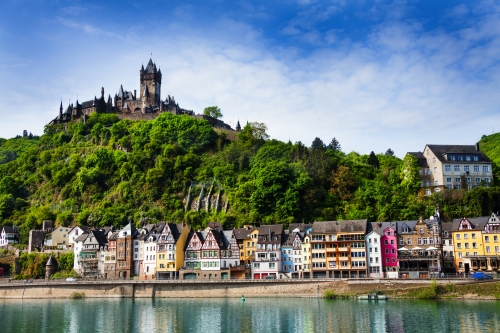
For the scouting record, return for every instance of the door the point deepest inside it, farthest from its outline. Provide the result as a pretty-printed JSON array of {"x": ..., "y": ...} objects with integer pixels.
[
  {"x": 256, "y": 276},
  {"x": 467, "y": 268}
]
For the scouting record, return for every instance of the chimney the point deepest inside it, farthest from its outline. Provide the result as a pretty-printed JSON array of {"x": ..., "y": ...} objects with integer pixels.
[
  {"x": 135, "y": 94},
  {"x": 477, "y": 146}
]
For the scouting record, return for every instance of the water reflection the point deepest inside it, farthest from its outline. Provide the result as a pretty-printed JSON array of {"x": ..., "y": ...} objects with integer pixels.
[{"x": 254, "y": 315}]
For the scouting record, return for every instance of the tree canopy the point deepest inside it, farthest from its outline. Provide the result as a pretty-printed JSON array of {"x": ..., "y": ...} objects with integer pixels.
[{"x": 213, "y": 111}]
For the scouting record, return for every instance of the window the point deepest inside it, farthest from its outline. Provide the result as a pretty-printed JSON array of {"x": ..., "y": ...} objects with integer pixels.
[
  {"x": 427, "y": 171},
  {"x": 476, "y": 168},
  {"x": 433, "y": 160},
  {"x": 467, "y": 158},
  {"x": 486, "y": 180},
  {"x": 466, "y": 168},
  {"x": 392, "y": 241},
  {"x": 457, "y": 180},
  {"x": 393, "y": 251},
  {"x": 486, "y": 168},
  {"x": 456, "y": 168},
  {"x": 387, "y": 260},
  {"x": 420, "y": 241},
  {"x": 256, "y": 265},
  {"x": 435, "y": 170},
  {"x": 474, "y": 245},
  {"x": 272, "y": 265},
  {"x": 448, "y": 180},
  {"x": 408, "y": 241},
  {"x": 393, "y": 259},
  {"x": 401, "y": 241},
  {"x": 466, "y": 245},
  {"x": 386, "y": 242},
  {"x": 466, "y": 236},
  {"x": 488, "y": 249},
  {"x": 449, "y": 186},
  {"x": 478, "y": 180},
  {"x": 495, "y": 239},
  {"x": 473, "y": 235},
  {"x": 457, "y": 236},
  {"x": 436, "y": 183},
  {"x": 459, "y": 245},
  {"x": 386, "y": 251},
  {"x": 371, "y": 260},
  {"x": 496, "y": 249},
  {"x": 447, "y": 167},
  {"x": 468, "y": 180},
  {"x": 460, "y": 256},
  {"x": 376, "y": 260},
  {"x": 452, "y": 158}
]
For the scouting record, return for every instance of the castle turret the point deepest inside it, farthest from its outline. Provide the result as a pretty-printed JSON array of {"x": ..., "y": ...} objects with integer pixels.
[
  {"x": 50, "y": 268},
  {"x": 238, "y": 127},
  {"x": 60, "y": 111}
]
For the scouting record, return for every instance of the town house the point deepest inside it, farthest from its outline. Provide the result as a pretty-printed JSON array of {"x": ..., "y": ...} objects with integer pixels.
[
  {"x": 268, "y": 253},
  {"x": 170, "y": 250}
]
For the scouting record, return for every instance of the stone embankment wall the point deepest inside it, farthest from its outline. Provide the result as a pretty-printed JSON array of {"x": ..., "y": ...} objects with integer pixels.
[{"x": 188, "y": 289}]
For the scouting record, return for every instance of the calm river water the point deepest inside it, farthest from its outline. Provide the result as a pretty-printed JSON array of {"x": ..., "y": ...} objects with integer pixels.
[{"x": 254, "y": 315}]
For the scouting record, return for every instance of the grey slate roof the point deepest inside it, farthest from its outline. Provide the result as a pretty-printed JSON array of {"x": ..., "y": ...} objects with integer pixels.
[
  {"x": 441, "y": 150},
  {"x": 421, "y": 160},
  {"x": 242, "y": 233},
  {"x": 82, "y": 237},
  {"x": 333, "y": 227},
  {"x": 478, "y": 223},
  {"x": 100, "y": 237},
  {"x": 51, "y": 262},
  {"x": 10, "y": 229},
  {"x": 301, "y": 226}
]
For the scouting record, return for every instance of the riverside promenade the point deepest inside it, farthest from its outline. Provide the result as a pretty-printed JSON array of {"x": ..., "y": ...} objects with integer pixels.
[{"x": 201, "y": 288}]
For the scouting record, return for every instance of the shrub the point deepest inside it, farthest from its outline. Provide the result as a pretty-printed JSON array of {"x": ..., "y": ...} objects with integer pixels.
[{"x": 77, "y": 295}]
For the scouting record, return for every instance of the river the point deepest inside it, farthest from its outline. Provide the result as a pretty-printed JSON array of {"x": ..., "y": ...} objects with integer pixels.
[{"x": 253, "y": 315}]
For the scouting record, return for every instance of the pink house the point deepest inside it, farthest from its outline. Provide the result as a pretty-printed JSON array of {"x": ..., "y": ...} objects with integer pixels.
[{"x": 389, "y": 253}]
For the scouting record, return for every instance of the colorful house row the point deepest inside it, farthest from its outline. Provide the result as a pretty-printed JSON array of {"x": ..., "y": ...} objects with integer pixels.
[{"x": 327, "y": 249}]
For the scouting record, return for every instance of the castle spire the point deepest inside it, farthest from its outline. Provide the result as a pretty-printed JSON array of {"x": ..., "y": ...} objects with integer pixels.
[{"x": 238, "y": 126}]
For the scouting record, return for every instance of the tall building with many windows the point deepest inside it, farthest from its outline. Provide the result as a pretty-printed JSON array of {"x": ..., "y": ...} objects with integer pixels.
[{"x": 453, "y": 167}]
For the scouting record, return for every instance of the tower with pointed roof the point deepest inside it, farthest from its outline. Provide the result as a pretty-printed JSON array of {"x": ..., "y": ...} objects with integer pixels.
[{"x": 150, "y": 83}]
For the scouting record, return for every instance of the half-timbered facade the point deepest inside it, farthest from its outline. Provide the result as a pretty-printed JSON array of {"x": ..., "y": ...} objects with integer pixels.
[
  {"x": 170, "y": 250},
  {"x": 192, "y": 256},
  {"x": 89, "y": 256}
]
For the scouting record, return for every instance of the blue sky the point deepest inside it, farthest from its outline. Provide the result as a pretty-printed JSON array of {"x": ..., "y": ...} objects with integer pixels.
[{"x": 373, "y": 74}]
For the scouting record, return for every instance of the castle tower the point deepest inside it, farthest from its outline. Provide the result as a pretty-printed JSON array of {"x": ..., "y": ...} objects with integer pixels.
[
  {"x": 151, "y": 78},
  {"x": 238, "y": 126},
  {"x": 50, "y": 268}
]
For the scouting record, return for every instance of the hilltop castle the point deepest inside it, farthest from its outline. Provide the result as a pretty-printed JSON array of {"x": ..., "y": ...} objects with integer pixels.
[{"x": 127, "y": 105}]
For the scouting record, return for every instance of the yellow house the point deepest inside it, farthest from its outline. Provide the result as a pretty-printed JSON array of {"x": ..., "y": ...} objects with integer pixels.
[
  {"x": 491, "y": 234},
  {"x": 246, "y": 238},
  {"x": 306, "y": 256},
  {"x": 468, "y": 244},
  {"x": 170, "y": 250}
]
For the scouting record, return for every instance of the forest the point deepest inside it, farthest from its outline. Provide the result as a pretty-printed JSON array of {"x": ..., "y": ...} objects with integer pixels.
[{"x": 107, "y": 171}]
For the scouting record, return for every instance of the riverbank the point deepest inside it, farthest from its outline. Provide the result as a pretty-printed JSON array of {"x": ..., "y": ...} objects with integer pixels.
[{"x": 208, "y": 289}]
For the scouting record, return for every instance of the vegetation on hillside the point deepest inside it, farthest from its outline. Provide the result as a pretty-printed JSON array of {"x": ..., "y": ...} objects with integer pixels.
[{"x": 106, "y": 171}]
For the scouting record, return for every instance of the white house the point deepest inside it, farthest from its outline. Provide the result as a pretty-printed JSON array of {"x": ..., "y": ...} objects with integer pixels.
[{"x": 374, "y": 254}]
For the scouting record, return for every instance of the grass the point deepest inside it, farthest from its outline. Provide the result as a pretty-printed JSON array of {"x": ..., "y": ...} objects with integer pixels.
[
  {"x": 330, "y": 294},
  {"x": 450, "y": 290}
]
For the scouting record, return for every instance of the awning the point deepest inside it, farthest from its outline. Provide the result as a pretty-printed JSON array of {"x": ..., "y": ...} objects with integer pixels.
[
  {"x": 432, "y": 248},
  {"x": 417, "y": 248},
  {"x": 403, "y": 249}
]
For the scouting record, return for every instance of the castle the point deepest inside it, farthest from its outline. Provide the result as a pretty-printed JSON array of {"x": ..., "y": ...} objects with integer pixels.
[{"x": 126, "y": 104}]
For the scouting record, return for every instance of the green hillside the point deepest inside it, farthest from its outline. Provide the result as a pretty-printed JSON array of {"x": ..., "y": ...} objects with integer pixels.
[
  {"x": 490, "y": 145},
  {"x": 107, "y": 171}
]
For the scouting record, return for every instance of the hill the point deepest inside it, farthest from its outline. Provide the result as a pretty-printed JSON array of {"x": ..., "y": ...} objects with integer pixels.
[{"x": 106, "y": 171}]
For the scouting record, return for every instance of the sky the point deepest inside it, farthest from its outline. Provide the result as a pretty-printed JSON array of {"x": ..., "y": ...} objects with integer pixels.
[{"x": 373, "y": 74}]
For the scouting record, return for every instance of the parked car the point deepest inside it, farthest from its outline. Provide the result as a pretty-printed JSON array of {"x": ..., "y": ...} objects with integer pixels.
[
  {"x": 481, "y": 276},
  {"x": 270, "y": 277},
  {"x": 70, "y": 279}
]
